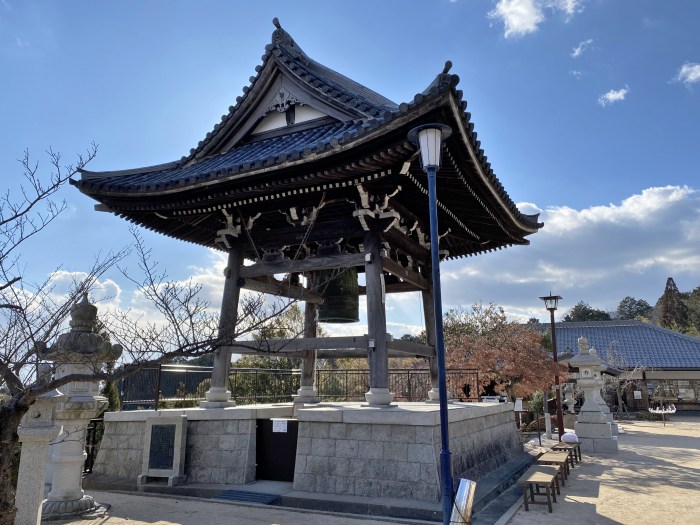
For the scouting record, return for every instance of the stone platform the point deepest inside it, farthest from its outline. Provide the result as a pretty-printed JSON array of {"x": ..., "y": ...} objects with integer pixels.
[{"x": 348, "y": 450}]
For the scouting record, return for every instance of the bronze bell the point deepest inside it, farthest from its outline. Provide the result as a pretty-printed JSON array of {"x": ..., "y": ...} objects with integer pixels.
[{"x": 341, "y": 296}]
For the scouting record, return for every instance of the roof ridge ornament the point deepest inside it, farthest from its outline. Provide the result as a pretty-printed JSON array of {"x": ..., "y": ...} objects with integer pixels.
[{"x": 280, "y": 38}]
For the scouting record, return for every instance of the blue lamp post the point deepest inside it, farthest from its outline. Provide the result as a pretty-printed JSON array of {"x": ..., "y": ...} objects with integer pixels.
[{"x": 429, "y": 139}]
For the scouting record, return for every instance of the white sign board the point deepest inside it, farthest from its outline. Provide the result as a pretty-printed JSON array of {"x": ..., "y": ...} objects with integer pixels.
[
  {"x": 279, "y": 425},
  {"x": 464, "y": 500},
  {"x": 518, "y": 404},
  {"x": 638, "y": 394}
]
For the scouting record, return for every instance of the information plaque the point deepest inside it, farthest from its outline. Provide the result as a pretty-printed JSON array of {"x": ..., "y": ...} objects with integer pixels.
[{"x": 164, "y": 449}]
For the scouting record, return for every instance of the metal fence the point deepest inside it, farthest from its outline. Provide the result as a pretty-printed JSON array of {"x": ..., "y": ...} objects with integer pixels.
[
  {"x": 407, "y": 384},
  {"x": 182, "y": 386}
]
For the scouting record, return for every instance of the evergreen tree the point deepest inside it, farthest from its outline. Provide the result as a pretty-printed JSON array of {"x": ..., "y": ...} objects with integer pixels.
[
  {"x": 671, "y": 310},
  {"x": 693, "y": 304},
  {"x": 585, "y": 312},
  {"x": 631, "y": 308}
]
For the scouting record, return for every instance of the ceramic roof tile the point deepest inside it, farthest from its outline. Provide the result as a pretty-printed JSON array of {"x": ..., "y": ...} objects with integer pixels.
[
  {"x": 271, "y": 150},
  {"x": 634, "y": 342}
]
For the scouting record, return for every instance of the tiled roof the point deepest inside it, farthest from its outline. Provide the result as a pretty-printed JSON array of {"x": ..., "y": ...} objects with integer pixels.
[
  {"x": 269, "y": 151},
  {"x": 634, "y": 342},
  {"x": 230, "y": 167}
]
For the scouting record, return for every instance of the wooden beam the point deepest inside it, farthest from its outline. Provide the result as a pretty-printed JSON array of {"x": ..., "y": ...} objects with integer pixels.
[
  {"x": 286, "y": 346},
  {"x": 282, "y": 289},
  {"x": 404, "y": 243},
  {"x": 328, "y": 347},
  {"x": 404, "y": 274},
  {"x": 411, "y": 348},
  {"x": 345, "y": 260}
]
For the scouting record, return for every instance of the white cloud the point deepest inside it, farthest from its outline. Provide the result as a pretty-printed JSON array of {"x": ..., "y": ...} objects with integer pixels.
[
  {"x": 21, "y": 43},
  {"x": 688, "y": 74},
  {"x": 568, "y": 7},
  {"x": 578, "y": 50},
  {"x": 521, "y": 17},
  {"x": 576, "y": 74},
  {"x": 598, "y": 254},
  {"x": 612, "y": 96}
]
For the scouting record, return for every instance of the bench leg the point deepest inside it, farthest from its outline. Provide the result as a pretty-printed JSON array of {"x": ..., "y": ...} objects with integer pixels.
[
  {"x": 549, "y": 499},
  {"x": 525, "y": 489}
]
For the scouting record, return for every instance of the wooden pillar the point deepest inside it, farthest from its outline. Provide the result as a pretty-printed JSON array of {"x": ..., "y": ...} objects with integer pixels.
[
  {"x": 218, "y": 395},
  {"x": 308, "y": 393},
  {"x": 429, "y": 309},
  {"x": 378, "y": 356}
]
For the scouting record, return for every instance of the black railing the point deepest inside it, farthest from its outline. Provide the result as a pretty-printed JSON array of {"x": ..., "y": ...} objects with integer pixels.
[
  {"x": 182, "y": 386},
  {"x": 407, "y": 384}
]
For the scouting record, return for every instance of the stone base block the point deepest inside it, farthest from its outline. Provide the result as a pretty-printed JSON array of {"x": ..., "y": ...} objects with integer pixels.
[
  {"x": 379, "y": 396},
  {"x": 593, "y": 430},
  {"x": 598, "y": 446},
  {"x": 306, "y": 394},
  {"x": 85, "y": 507},
  {"x": 217, "y": 404}
]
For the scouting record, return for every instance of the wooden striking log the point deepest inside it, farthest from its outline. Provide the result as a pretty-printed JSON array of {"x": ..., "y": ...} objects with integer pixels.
[{"x": 345, "y": 260}]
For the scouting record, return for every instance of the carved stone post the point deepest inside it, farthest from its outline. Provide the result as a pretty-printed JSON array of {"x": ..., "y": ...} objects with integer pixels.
[
  {"x": 378, "y": 355},
  {"x": 82, "y": 351},
  {"x": 36, "y": 431},
  {"x": 308, "y": 392},
  {"x": 219, "y": 395}
]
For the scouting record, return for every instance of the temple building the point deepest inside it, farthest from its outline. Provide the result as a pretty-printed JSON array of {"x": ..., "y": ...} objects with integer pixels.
[{"x": 311, "y": 178}]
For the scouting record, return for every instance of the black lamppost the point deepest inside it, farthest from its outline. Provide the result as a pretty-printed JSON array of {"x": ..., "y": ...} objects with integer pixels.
[
  {"x": 429, "y": 139},
  {"x": 550, "y": 303}
]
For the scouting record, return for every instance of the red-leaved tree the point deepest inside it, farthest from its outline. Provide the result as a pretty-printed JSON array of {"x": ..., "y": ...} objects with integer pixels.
[{"x": 506, "y": 353}]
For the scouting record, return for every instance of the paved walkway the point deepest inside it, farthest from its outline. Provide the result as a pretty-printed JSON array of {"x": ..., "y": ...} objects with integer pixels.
[{"x": 655, "y": 479}]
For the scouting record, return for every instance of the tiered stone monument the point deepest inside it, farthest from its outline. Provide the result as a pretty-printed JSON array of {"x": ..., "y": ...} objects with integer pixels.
[
  {"x": 82, "y": 351},
  {"x": 592, "y": 427}
]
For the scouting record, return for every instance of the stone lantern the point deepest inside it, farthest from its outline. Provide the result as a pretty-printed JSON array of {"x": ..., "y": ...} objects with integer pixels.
[
  {"x": 82, "y": 351},
  {"x": 592, "y": 426}
]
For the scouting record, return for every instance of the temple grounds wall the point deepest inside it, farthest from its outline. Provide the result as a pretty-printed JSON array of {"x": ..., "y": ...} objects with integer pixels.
[{"x": 349, "y": 449}]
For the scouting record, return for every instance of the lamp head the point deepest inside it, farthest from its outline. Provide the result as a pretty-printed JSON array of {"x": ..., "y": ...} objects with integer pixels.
[
  {"x": 428, "y": 138},
  {"x": 551, "y": 301}
]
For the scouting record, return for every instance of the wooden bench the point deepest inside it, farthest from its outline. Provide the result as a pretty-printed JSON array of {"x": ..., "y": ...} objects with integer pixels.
[
  {"x": 536, "y": 477},
  {"x": 573, "y": 449},
  {"x": 559, "y": 459}
]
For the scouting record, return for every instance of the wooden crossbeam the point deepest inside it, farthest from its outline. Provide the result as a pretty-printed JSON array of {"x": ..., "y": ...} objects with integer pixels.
[
  {"x": 347, "y": 346},
  {"x": 345, "y": 260},
  {"x": 282, "y": 289},
  {"x": 410, "y": 276}
]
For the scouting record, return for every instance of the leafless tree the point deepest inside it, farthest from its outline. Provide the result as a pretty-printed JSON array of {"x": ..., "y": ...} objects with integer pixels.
[
  {"x": 32, "y": 315},
  {"x": 625, "y": 376}
]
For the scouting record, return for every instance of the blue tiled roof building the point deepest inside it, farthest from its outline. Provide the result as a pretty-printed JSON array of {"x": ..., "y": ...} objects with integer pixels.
[{"x": 666, "y": 357}]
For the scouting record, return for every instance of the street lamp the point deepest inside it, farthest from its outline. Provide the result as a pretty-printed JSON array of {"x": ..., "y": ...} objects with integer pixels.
[
  {"x": 429, "y": 139},
  {"x": 550, "y": 303}
]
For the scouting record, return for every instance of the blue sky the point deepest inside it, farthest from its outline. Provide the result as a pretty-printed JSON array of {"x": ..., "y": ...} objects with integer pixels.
[{"x": 589, "y": 111}]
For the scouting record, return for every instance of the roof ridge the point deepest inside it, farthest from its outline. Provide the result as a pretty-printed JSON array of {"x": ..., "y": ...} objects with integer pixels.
[{"x": 282, "y": 44}]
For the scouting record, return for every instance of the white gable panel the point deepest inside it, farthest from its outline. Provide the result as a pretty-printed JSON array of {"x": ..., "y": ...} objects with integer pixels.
[
  {"x": 306, "y": 113},
  {"x": 277, "y": 119}
]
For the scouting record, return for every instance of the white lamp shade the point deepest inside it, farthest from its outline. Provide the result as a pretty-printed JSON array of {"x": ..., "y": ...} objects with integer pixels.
[{"x": 430, "y": 143}]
